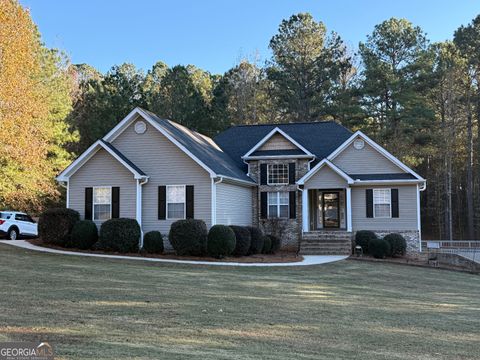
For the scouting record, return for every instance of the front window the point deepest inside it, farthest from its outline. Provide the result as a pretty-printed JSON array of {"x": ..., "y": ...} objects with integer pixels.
[
  {"x": 277, "y": 174},
  {"x": 382, "y": 203},
  {"x": 102, "y": 203},
  {"x": 278, "y": 204},
  {"x": 176, "y": 202}
]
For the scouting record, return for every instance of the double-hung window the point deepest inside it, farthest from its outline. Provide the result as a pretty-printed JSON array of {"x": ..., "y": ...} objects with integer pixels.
[
  {"x": 176, "y": 202},
  {"x": 278, "y": 204},
  {"x": 277, "y": 174},
  {"x": 102, "y": 203},
  {"x": 382, "y": 206}
]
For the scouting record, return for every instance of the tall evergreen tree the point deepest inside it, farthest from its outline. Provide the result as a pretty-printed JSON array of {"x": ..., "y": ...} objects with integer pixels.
[
  {"x": 304, "y": 66},
  {"x": 395, "y": 83}
]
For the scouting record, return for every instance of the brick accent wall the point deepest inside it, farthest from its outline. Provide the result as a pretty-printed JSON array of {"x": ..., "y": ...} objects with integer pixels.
[{"x": 289, "y": 230}]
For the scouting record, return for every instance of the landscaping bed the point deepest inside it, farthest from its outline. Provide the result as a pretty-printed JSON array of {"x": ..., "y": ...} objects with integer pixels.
[{"x": 280, "y": 257}]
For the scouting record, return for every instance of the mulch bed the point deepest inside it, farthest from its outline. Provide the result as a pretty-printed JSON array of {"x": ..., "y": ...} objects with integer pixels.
[{"x": 281, "y": 257}]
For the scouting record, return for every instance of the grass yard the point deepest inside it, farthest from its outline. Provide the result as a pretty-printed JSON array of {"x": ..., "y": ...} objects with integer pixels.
[{"x": 110, "y": 309}]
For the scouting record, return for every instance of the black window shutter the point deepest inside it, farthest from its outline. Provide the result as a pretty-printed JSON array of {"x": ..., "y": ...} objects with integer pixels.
[
  {"x": 115, "y": 202},
  {"x": 162, "y": 202},
  {"x": 394, "y": 199},
  {"x": 263, "y": 205},
  {"x": 293, "y": 204},
  {"x": 291, "y": 174},
  {"x": 369, "y": 194},
  {"x": 263, "y": 174},
  {"x": 189, "y": 200},
  {"x": 88, "y": 203}
]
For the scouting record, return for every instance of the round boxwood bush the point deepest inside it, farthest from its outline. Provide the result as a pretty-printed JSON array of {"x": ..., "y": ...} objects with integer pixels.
[
  {"x": 243, "y": 240},
  {"x": 55, "y": 225},
  {"x": 189, "y": 237},
  {"x": 120, "y": 235},
  {"x": 153, "y": 242},
  {"x": 363, "y": 237},
  {"x": 267, "y": 244},
  {"x": 398, "y": 244},
  {"x": 84, "y": 235},
  {"x": 257, "y": 240},
  {"x": 276, "y": 243},
  {"x": 221, "y": 241},
  {"x": 379, "y": 248}
]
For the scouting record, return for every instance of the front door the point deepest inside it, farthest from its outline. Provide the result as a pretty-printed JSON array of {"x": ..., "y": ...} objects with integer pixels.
[{"x": 331, "y": 209}]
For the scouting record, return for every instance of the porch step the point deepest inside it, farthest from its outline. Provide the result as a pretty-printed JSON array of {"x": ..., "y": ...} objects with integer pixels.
[{"x": 326, "y": 243}]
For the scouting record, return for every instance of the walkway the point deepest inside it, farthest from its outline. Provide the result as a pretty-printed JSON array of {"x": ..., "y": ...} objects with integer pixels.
[{"x": 307, "y": 259}]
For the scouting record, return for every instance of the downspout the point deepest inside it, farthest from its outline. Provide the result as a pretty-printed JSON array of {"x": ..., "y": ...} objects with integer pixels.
[
  {"x": 140, "y": 182},
  {"x": 214, "y": 198},
  {"x": 66, "y": 185}
]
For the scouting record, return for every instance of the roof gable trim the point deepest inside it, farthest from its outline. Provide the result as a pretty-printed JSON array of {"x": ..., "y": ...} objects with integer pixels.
[
  {"x": 378, "y": 148},
  {"x": 325, "y": 162},
  {"x": 87, "y": 154},
  {"x": 269, "y": 135},
  {"x": 122, "y": 125}
]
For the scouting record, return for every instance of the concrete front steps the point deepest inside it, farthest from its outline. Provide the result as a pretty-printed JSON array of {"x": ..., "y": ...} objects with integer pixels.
[{"x": 326, "y": 243}]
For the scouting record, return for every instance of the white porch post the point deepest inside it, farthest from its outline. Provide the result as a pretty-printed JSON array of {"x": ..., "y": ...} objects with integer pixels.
[
  {"x": 305, "y": 213},
  {"x": 138, "y": 211},
  {"x": 349, "y": 208}
]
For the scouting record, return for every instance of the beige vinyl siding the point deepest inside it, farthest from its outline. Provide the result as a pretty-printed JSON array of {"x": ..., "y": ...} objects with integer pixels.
[
  {"x": 364, "y": 161},
  {"x": 234, "y": 204},
  {"x": 325, "y": 178},
  {"x": 165, "y": 164},
  {"x": 407, "y": 204},
  {"x": 102, "y": 169},
  {"x": 278, "y": 142}
]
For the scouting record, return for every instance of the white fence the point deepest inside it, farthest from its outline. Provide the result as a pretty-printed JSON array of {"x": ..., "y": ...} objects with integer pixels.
[{"x": 469, "y": 249}]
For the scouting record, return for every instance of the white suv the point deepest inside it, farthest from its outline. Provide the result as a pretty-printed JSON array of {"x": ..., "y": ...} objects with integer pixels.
[{"x": 15, "y": 223}]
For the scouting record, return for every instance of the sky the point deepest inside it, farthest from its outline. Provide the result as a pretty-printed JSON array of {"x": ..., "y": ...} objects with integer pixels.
[{"x": 213, "y": 34}]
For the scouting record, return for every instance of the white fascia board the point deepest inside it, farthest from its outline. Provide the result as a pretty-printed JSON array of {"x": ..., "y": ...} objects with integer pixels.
[
  {"x": 278, "y": 157},
  {"x": 269, "y": 135},
  {"x": 122, "y": 125},
  {"x": 387, "y": 182},
  {"x": 377, "y": 147},
  {"x": 232, "y": 180},
  {"x": 325, "y": 162},
  {"x": 87, "y": 154}
]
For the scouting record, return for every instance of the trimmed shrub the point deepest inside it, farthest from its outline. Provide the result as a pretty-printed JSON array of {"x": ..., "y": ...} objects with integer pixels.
[
  {"x": 84, "y": 235},
  {"x": 257, "y": 239},
  {"x": 121, "y": 235},
  {"x": 55, "y": 225},
  {"x": 243, "y": 240},
  {"x": 153, "y": 242},
  {"x": 276, "y": 243},
  {"x": 221, "y": 241},
  {"x": 379, "y": 248},
  {"x": 189, "y": 237},
  {"x": 398, "y": 244},
  {"x": 267, "y": 244},
  {"x": 363, "y": 237}
]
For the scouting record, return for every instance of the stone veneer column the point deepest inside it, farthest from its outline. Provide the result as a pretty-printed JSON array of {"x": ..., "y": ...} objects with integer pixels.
[{"x": 291, "y": 229}]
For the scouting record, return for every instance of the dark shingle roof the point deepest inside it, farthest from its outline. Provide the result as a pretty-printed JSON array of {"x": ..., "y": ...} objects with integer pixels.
[
  {"x": 402, "y": 176},
  {"x": 320, "y": 138},
  {"x": 203, "y": 148},
  {"x": 123, "y": 157}
]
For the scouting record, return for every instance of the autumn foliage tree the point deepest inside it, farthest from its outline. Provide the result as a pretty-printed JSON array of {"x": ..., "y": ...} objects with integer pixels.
[{"x": 34, "y": 101}]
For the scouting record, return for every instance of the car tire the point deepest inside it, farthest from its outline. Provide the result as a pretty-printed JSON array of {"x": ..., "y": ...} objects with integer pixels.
[{"x": 12, "y": 234}]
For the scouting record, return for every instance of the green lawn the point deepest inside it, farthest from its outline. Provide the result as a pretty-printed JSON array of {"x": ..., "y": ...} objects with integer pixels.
[{"x": 111, "y": 309}]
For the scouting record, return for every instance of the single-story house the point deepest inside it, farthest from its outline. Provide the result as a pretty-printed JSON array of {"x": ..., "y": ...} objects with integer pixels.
[{"x": 314, "y": 182}]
